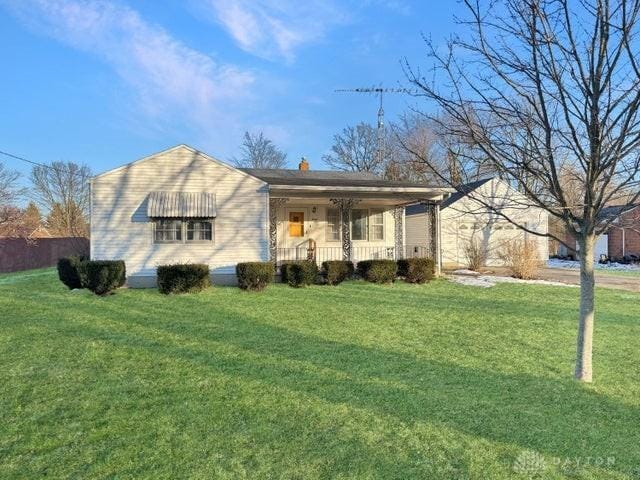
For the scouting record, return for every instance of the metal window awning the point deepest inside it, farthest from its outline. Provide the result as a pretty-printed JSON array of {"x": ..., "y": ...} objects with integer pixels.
[{"x": 181, "y": 205}]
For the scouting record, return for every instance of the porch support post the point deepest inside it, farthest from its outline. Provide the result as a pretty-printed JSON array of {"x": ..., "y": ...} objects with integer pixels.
[
  {"x": 345, "y": 205},
  {"x": 274, "y": 206},
  {"x": 437, "y": 237},
  {"x": 398, "y": 218},
  {"x": 433, "y": 235}
]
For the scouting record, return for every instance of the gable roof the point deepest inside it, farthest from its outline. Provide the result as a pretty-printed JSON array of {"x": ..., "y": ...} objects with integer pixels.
[
  {"x": 463, "y": 191},
  {"x": 614, "y": 211},
  {"x": 181, "y": 146},
  {"x": 303, "y": 179},
  {"x": 324, "y": 178}
]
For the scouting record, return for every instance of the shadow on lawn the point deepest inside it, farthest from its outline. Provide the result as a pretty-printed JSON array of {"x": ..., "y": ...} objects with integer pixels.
[{"x": 559, "y": 418}]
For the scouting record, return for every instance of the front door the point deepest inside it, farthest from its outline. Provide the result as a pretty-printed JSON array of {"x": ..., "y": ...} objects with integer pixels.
[{"x": 296, "y": 226}]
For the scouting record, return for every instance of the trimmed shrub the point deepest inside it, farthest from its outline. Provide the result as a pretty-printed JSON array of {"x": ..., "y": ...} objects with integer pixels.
[
  {"x": 285, "y": 268},
  {"x": 104, "y": 276},
  {"x": 377, "y": 271},
  {"x": 416, "y": 270},
  {"x": 183, "y": 278},
  {"x": 300, "y": 273},
  {"x": 255, "y": 275},
  {"x": 72, "y": 272},
  {"x": 337, "y": 271}
]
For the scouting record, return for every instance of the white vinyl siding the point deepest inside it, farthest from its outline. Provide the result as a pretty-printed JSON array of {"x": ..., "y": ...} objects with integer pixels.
[
  {"x": 120, "y": 228},
  {"x": 466, "y": 219},
  {"x": 319, "y": 221}
]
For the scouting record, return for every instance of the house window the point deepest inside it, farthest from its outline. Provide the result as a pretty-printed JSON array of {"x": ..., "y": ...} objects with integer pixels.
[
  {"x": 359, "y": 224},
  {"x": 377, "y": 224},
  {"x": 168, "y": 231},
  {"x": 333, "y": 225},
  {"x": 199, "y": 231},
  {"x": 181, "y": 231}
]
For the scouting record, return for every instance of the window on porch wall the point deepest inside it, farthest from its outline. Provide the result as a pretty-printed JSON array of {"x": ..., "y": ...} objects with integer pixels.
[
  {"x": 333, "y": 225},
  {"x": 377, "y": 224},
  {"x": 359, "y": 224}
]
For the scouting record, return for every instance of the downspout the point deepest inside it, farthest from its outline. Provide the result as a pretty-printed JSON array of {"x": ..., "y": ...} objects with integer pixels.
[
  {"x": 91, "y": 218},
  {"x": 438, "y": 242}
]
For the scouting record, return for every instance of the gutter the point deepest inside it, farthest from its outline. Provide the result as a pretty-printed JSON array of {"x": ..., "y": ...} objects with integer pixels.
[{"x": 318, "y": 188}]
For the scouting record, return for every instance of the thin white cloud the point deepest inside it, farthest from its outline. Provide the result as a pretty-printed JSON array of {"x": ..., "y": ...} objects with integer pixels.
[
  {"x": 166, "y": 75},
  {"x": 275, "y": 28}
]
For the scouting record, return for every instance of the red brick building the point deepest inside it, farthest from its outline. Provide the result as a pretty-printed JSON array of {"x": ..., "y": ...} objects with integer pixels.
[
  {"x": 624, "y": 234},
  {"x": 623, "y": 237}
]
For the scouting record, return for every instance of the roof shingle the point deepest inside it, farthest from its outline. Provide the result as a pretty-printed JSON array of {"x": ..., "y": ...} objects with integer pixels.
[{"x": 323, "y": 178}]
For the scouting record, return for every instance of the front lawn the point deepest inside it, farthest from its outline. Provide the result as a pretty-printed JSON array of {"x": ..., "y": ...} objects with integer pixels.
[{"x": 440, "y": 381}]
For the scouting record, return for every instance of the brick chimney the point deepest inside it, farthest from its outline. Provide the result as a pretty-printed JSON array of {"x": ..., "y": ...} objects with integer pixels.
[{"x": 303, "y": 165}]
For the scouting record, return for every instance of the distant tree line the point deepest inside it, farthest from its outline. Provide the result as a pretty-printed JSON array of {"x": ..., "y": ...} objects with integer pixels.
[
  {"x": 59, "y": 199},
  {"x": 405, "y": 146}
]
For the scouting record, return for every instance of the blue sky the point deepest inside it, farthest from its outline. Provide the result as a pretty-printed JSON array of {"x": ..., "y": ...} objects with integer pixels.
[{"x": 105, "y": 83}]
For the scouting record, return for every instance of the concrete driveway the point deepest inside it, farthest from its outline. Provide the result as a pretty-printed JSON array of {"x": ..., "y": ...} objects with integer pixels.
[
  {"x": 608, "y": 280},
  {"x": 565, "y": 275}
]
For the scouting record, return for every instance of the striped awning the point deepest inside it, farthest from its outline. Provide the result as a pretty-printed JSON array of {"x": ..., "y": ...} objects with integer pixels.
[{"x": 181, "y": 205}]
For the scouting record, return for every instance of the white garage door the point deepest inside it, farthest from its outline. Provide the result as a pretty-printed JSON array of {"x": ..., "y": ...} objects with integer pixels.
[
  {"x": 601, "y": 247},
  {"x": 491, "y": 238}
]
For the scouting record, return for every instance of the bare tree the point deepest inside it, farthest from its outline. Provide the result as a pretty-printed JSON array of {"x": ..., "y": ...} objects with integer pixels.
[
  {"x": 259, "y": 152},
  {"x": 537, "y": 86},
  {"x": 354, "y": 149},
  {"x": 10, "y": 221},
  {"x": 416, "y": 131},
  {"x": 10, "y": 191},
  {"x": 63, "y": 188}
]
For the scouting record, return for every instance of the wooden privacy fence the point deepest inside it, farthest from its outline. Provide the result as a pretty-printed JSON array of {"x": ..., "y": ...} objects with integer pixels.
[{"x": 18, "y": 254}]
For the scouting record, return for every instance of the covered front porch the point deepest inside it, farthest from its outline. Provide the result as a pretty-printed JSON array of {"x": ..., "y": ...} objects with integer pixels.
[{"x": 349, "y": 225}]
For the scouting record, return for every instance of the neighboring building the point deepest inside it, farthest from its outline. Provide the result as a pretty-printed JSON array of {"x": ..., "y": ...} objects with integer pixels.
[
  {"x": 464, "y": 220},
  {"x": 20, "y": 231},
  {"x": 624, "y": 233},
  {"x": 622, "y": 238},
  {"x": 182, "y": 205},
  {"x": 568, "y": 246}
]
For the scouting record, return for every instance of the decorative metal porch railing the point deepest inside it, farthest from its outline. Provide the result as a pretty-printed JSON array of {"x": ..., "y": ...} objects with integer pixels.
[{"x": 323, "y": 254}]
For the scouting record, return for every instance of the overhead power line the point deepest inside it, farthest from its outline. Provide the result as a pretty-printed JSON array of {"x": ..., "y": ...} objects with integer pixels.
[
  {"x": 11, "y": 155},
  {"x": 38, "y": 164}
]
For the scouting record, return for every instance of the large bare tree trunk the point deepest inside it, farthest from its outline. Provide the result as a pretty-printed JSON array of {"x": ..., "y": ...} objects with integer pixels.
[{"x": 584, "y": 369}]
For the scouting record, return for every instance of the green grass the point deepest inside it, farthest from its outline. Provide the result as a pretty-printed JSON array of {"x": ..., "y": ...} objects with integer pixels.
[{"x": 440, "y": 381}]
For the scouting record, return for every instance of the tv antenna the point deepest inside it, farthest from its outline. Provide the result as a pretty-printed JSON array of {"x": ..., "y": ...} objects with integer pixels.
[{"x": 380, "y": 91}]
